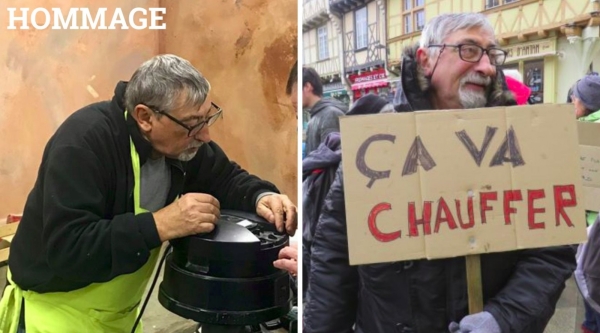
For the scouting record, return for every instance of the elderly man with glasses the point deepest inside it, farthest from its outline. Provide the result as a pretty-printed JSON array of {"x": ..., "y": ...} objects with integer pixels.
[
  {"x": 117, "y": 179},
  {"x": 454, "y": 67}
]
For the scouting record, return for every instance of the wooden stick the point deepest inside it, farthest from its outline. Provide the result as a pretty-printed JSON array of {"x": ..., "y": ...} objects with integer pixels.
[
  {"x": 7, "y": 232},
  {"x": 474, "y": 288}
]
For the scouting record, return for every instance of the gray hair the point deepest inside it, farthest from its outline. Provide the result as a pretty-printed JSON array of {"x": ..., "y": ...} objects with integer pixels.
[
  {"x": 440, "y": 27},
  {"x": 161, "y": 81}
]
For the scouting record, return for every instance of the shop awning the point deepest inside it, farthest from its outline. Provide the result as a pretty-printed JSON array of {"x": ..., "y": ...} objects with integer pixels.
[
  {"x": 333, "y": 91},
  {"x": 370, "y": 84},
  {"x": 531, "y": 56}
]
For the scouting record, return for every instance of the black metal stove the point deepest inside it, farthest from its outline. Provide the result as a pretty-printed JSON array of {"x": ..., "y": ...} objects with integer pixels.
[{"x": 225, "y": 280}]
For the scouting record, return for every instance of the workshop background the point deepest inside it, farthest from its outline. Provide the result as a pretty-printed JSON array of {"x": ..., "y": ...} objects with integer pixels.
[{"x": 244, "y": 47}]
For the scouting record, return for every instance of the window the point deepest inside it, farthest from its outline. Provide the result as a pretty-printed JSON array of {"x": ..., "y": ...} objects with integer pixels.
[
  {"x": 420, "y": 20},
  {"x": 491, "y": 3},
  {"x": 495, "y": 3},
  {"x": 323, "y": 43},
  {"x": 413, "y": 15},
  {"x": 534, "y": 79},
  {"x": 407, "y": 23},
  {"x": 360, "y": 25}
]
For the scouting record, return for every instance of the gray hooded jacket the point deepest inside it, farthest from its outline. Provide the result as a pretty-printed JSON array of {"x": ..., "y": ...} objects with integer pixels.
[{"x": 324, "y": 119}]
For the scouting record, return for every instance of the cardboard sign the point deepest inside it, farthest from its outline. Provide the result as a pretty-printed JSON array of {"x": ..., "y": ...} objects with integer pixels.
[
  {"x": 452, "y": 183},
  {"x": 589, "y": 145}
]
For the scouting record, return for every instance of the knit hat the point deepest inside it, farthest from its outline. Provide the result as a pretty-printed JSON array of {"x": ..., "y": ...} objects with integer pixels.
[
  {"x": 515, "y": 74},
  {"x": 519, "y": 90},
  {"x": 588, "y": 91},
  {"x": 368, "y": 104}
]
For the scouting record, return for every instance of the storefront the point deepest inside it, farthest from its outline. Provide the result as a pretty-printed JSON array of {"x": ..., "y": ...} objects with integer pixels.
[
  {"x": 336, "y": 90},
  {"x": 395, "y": 84},
  {"x": 579, "y": 53},
  {"x": 374, "y": 81},
  {"x": 536, "y": 61}
]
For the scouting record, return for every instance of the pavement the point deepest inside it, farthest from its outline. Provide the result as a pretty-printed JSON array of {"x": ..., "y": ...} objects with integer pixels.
[{"x": 569, "y": 312}]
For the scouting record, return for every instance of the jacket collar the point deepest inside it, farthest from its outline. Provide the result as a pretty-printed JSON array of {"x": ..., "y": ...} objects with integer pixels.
[
  {"x": 416, "y": 87},
  {"x": 317, "y": 107},
  {"x": 592, "y": 117}
]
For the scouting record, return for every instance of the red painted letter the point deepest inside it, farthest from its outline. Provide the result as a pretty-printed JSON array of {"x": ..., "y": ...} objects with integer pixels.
[
  {"x": 560, "y": 203},
  {"x": 531, "y": 196},
  {"x": 448, "y": 218},
  {"x": 381, "y": 236},
  {"x": 469, "y": 211},
  {"x": 509, "y": 196},
  {"x": 483, "y": 198},
  {"x": 425, "y": 221}
]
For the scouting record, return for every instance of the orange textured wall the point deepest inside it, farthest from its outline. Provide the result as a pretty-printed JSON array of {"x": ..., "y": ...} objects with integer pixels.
[
  {"x": 246, "y": 49},
  {"x": 47, "y": 75}
]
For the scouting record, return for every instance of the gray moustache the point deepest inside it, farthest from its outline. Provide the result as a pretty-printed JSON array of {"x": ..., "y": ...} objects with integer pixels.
[{"x": 478, "y": 81}]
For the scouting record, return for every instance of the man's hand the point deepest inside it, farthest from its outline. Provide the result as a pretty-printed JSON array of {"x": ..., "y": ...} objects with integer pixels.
[
  {"x": 192, "y": 214},
  {"x": 482, "y": 322},
  {"x": 278, "y": 209},
  {"x": 288, "y": 259}
]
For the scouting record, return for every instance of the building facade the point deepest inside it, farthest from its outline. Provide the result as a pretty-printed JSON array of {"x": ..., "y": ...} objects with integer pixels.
[
  {"x": 552, "y": 43},
  {"x": 364, "y": 50},
  {"x": 405, "y": 20},
  {"x": 321, "y": 33}
]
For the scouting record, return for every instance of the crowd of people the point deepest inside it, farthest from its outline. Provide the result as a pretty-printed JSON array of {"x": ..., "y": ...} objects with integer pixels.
[{"x": 456, "y": 65}]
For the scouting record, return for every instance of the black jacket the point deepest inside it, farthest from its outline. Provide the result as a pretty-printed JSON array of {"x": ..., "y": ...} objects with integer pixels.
[
  {"x": 324, "y": 119},
  {"x": 78, "y": 225},
  {"x": 318, "y": 172},
  {"x": 520, "y": 288}
]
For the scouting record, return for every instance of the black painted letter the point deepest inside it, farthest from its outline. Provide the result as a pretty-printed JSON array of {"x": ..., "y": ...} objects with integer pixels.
[
  {"x": 468, "y": 143},
  {"x": 361, "y": 164},
  {"x": 417, "y": 155},
  {"x": 510, "y": 145}
]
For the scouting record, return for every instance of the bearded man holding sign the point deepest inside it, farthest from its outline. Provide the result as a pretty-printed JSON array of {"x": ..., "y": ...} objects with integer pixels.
[{"x": 455, "y": 67}]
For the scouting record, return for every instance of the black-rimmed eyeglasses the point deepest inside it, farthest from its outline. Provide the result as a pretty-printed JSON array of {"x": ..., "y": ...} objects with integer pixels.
[
  {"x": 473, "y": 53},
  {"x": 194, "y": 129}
]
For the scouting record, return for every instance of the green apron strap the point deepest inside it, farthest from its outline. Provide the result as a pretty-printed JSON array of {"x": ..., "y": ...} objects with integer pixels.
[
  {"x": 108, "y": 307},
  {"x": 135, "y": 163},
  {"x": 10, "y": 306}
]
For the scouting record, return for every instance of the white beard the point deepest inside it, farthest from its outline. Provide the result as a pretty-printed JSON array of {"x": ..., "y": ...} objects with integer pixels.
[
  {"x": 471, "y": 99},
  {"x": 185, "y": 157}
]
